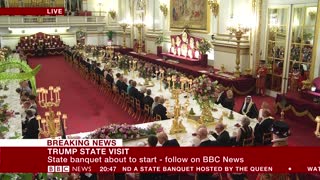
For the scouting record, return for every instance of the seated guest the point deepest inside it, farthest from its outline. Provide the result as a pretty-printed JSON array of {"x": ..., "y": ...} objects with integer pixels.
[
  {"x": 124, "y": 85},
  {"x": 165, "y": 142},
  {"x": 133, "y": 90},
  {"x": 155, "y": 103},
  {"x": 140, "y": 96},
  {"x": 109, "y": 77},
  {"x": 25, "y": 87},
  {"x": 119, "y": 82},
  {"x": 219, "y": 94},
  {"x": 30, "y": 126},
  {"x": 229, "y": 100},
  {"x": 32, "y": 100},
  {"x": 148, "y": 99},
  {"x": 263, "y": 126},
  {"x": 221, "y": 135},
  {"x": 249, "y": 108},
  {"x": 24, "y": 97},
  {"x": 244, "y": 132},
  {"x": 202, "y": 134},
  {"x": 28, "y": 106},
  {"x": 152, "y": 141},
  {"x": 160, "y": 110},
  {"x": 264, "y": 105},
  {"x": 129, "y": 86},
  {"x": 98, "y": 72}
]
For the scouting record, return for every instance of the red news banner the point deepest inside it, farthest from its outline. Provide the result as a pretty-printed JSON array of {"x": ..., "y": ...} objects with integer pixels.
[
  {"x": 106, "y": 156},
  {"x": 42, "y": 11}
]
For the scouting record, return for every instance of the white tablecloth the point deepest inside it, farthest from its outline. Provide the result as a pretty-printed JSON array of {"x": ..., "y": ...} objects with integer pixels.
[{"x": 13, "y": 100}]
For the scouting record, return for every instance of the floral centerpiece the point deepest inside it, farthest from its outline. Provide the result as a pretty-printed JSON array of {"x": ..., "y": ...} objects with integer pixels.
[
  {"x": 155, "y": 129},
  {"x": 205, "y": 46},
  {"x": 5, "y": 114},
  {"x": 124, "y": 131},
  {"x": 203, "y": 89}
]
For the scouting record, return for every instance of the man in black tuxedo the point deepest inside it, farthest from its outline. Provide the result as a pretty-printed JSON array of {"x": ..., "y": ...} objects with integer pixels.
[
  {"x": 264, "y": 126},
  {"x": 165, "y": 142},
  {"x": 148, "y": 99},
  {"x": 109, "y": 77},
  {"x": 98, "y": 72},
  {"x": 160, "y": 110},
  {"x": 30, "y": 126},
  {"x": 133, "y": 92},
  {"x": 249, "y": 108},
  {"x": 220, "y": 95},
  {"x": 202, "y": 134},
  {"x": 222, "y": 136},
  {"x": 140, "y": 96},
  {"x": 119, "y": 82},
  {"x": 124, "y": 86}
]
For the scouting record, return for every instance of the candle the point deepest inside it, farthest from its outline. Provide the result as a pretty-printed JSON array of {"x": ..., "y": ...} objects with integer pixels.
[
  {"x": 56, "y": 94},
  {"x": 42, "y": 95},
  {"x": 51, "y": 98},
  {"x": 38, "y": 93},
  {"x": 50, "y": 89},
  {"x": 46, "y": 93},
  {"x": 39, "y": 119}
]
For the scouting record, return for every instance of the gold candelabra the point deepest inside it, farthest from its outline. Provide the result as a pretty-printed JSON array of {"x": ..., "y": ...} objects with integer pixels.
[
  {"x": 238, "y": 31},
  {"x": 112, "y": 14},
  {"x": 214, "y": 6},
  {"x": 124, "y": 28},
  {"x": 133, "y": 67},
  {"x": 140, "y": 27},
  {"x": 161, "y": 78},
  {"x": 50, "y": 125},
  {"x": 177, "y": 126},
  {"x": 317, "y": 132}
]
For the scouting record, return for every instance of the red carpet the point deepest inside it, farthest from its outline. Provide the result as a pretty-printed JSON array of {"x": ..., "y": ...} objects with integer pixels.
[{"x": 86, "y": 107}]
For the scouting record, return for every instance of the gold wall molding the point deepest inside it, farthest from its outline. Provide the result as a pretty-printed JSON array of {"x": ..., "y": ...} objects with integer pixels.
[
  {"x": 258, "y": 12},
  {"x": 231, "y": 48}
]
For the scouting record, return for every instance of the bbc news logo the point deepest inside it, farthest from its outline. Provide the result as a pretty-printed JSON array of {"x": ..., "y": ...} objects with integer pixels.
[{"x": 57, "y": 169}]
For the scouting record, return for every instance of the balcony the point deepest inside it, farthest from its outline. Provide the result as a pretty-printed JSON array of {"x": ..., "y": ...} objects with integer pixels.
[{"x": 50, "y": 21}]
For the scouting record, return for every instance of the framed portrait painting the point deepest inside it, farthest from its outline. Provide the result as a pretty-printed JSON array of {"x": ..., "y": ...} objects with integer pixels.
[{"x": 193, "y": 14}]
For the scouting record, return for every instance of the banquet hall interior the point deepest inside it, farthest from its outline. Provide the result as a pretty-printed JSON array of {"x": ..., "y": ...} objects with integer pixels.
[{"x": 135, "y": 68}]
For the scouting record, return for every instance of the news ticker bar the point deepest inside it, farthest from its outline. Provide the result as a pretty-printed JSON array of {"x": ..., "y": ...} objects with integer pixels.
[
  {"x": 41, "y": 11},
  {"x": 160, "y": 159},
  {"x": 61, "y": 142}
]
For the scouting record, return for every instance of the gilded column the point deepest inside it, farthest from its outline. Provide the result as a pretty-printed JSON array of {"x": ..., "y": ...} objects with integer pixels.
[{"x": 258, "y": 12}]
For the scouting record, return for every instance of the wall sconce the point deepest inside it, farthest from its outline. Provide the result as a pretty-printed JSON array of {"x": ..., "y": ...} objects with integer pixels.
[
  {"x": 214, "y": 6},
  {"x": 312, "y": 14},
  {"x": 164, "y": 9},
  {"x": 112, "y": 14},
  {"x": 317, "y": 132}
]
